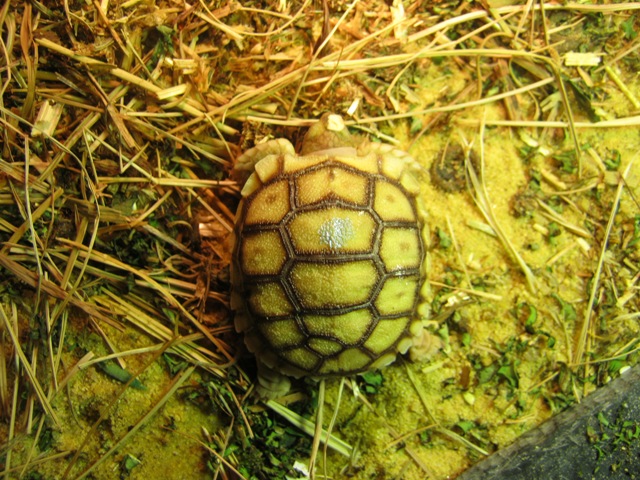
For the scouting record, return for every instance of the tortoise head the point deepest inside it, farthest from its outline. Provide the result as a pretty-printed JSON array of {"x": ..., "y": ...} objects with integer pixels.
[{"x": 330, "y": 133}]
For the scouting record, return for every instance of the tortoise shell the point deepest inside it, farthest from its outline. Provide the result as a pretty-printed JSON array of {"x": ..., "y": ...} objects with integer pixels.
[{"x": 329, "y": 255}]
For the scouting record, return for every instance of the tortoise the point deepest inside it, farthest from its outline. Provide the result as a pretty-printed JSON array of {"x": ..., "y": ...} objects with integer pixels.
[{"x": 329, "y": 256}]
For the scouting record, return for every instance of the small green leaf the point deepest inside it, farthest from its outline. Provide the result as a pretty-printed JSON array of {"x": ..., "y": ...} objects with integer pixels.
[
  {"x": 613, "y": 161},
  {"x": 508, "y": 372},
  {"x": 466, "y": 425},
  {"x": 230, "y": 449},
  {"x": 528, "y": 314},
  {"x": 601, "y": 453},
  {"x": 487, "y": 373},
  {"x": 627, "y": 28},
  {"x": 554, "y": 229},
  {"x": 602, "y": 419},
  {"x": 567, "y": 161},
  {"x": 373, "y": 381},
  {"x": 45, "y": 441},
  {"x": 129, "y": 462},
  {"x": 416, "y": 124},
  {"x": 118, "y": 373},
  {"x": 443, "y": 238},
  {"x": 584, "y": 97},
  {"x": 615, "y": 366},
  {"x": 533, "y": 316},
  {"x": 174, "y": 364},
  {"x": 568, "y": 311}
]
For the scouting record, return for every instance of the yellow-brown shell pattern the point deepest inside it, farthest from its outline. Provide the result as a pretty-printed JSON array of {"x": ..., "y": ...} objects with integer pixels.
[{"x": 328, "y": 260}]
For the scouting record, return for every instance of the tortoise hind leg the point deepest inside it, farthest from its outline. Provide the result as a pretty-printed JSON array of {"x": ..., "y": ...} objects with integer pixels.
[
  {"x": 425, "y": 344},
  {"x": 271, "y": 384}
]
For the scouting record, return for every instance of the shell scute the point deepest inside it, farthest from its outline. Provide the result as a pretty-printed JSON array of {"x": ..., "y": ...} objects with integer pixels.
[
  {"x": 268, "y": 300},
  {"x": 324, "y": 346},
  {"x": 359, "y": 321},
  {"x": 400, "y": 249},
  {"x": 332, "y": 183},
  {"x": 348, "y": 360},
  {"x": 268, "y": 205},
  {"x": 282, "y": 333},
  {"x": 391, "y": 203},
  {"x": 268, "y": 168},
  {"x": 367, "y": 163},
  {"x": 302, "y": 359},
  {"x": 293, "y": 163},
  {"x": 333, "y": 229},
  {"x": 263, "y": 253},
  {"x": 397, "y": 295},
  {"x": 324, "y": 285}
]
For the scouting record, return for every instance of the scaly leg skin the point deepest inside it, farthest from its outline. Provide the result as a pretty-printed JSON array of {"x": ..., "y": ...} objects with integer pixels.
[
  {"x": 271, "y": 384},
  {"x": 247, "y": 161},
  {"x": 425, "y": 346}
]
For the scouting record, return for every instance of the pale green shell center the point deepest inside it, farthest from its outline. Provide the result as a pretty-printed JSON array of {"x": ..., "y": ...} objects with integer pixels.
[{"x": 336, "y": 232}]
